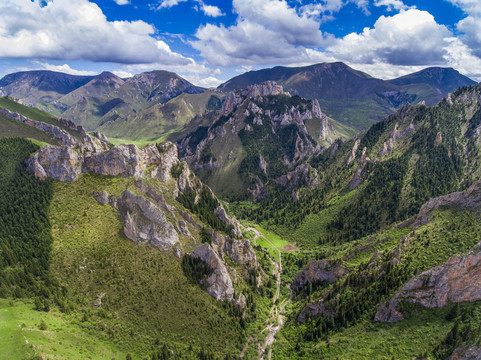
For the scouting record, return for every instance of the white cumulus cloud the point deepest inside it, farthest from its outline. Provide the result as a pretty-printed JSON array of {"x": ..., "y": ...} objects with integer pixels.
[
  {"x": 411, "y": 37},
  {"x": 65, "y": 68},
  {"x": 77, "y": 29},
  {"x": 391, "y": 4},
  {"x": 169, "y": 3},
  {"x": 122, "y": 2},
  {"x": 266, "y": 31},
  {"x": 211, "y": 10}
]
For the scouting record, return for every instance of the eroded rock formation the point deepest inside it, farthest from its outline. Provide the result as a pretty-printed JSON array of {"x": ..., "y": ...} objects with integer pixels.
[
  {"x": 458, "y": 280},
  {"x": 219, "y": 283},
  {"x": 468, "y": 200}
]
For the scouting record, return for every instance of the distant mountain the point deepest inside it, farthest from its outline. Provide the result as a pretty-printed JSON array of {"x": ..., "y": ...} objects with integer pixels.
[
  {"x": 107, "y": 99},
  {"x": 101, "y": 85},
  {"x": 445, "y": 79},
  {"x": 352, "y": 97},
  {"x": 126, "y": 108},
  {"x": 34, "y": 87},
  {"x": 157, "y": 104},
  {"x": 259, "y": 139}
]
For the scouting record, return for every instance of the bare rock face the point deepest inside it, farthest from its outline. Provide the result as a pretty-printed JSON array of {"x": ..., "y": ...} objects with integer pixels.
[
  {"x": 218, "y": 284},
  {"x": 235, "y": 98},
  {"x": 468, "y": 200},
  {"x": 61, "y": 163},
  {"x": 471, "y": 353},
  {"x": 240, "y": 302},
  {"x": 304, "y": 173},
  {"x": 226, "y": 220},
  {"x": 123, "y": 160},
  {"x": 315, "y": 271},
  {"x": 357, "y": 179},
  {"x": 145, "y": 222},
  {"x": 352, "y": 155},
  {"x": 240, "y": 251},
  {"x": 65, "y": 164},
  {"x": 458, "y": 280},
  {"x": 168, "y": 158}
]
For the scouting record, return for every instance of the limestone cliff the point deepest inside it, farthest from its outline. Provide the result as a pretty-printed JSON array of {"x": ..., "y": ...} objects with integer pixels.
[
  {"x": 145, "y": 222},
  {"x": 66, "y": 164}
]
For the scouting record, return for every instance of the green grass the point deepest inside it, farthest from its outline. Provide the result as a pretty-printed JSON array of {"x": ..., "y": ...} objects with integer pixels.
[
  {"x": 367, "y": 340},
  {"x": 147, "y": 295},
  {"x": 11, "y": 128},
  {"x": 314, "y": 226},
  {"x": 64, "y": 338},
  {"x": 34, "y": 114}
]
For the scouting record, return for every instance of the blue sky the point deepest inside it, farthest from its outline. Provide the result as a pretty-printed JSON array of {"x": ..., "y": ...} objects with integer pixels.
[{"x": 209, "y": 41}]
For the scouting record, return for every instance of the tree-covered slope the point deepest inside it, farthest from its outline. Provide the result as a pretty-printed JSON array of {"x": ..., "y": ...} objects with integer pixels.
[{"x": 384, "y": 174}]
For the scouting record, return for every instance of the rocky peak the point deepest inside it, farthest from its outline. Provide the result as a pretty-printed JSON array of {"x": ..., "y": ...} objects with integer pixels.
[{"x": 237, "y": 97}]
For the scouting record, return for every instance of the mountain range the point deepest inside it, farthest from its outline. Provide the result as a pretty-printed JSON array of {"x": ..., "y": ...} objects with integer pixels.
[
  {"x": 147, "y": 106},
  {"x": 346, "y": 243}
]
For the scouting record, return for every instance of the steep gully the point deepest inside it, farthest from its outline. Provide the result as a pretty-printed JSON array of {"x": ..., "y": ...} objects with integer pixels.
[{"x": 276, "y": 314}]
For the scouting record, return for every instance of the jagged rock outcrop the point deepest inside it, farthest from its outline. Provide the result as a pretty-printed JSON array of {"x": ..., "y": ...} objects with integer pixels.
[
  {"x": 145, "y": 222},
  {"x": 458, "y": 280},
  {"x": 240, "y": 251},
  {"x": 357, "y": 179},
  {"x": 352, "y": 155},
  {"x": 303, "y": 174},
  {"x": 469, "y": 353},
  {"x": 65, "y": 164},
  {"x": 468, "y": 200},
  {"x": 235, "y": 98},
  {"x": 226, "y": 220},
  {"x": 218, "y": 284},
  {"x": 240, "y": 302},
  {"x": 316, "y": 271},
  {"x": 57, "y": 162},
  {"x": 123, "y": 160}
]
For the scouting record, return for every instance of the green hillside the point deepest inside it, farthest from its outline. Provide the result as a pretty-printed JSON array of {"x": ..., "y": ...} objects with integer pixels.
[{"x": 362, "y": 249}]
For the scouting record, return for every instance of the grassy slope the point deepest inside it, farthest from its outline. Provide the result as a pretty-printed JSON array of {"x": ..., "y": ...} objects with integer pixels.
[
  {"x": 450, "y": 232},
  {"x": 147, "y": 295},
  {"x": 34, "y": 114},
  {"x": 10, "y": 128},
  {"x": 159, "y": 120},
  {"x": 64, "y": 338}
]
